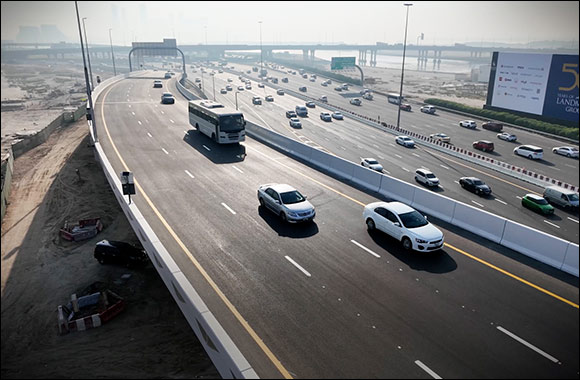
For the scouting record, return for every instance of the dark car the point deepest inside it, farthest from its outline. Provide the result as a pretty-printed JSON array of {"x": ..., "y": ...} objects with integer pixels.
[
  {"x": 303, "y": 89},
  {"x": 486, "y": 146},
  {"x": 475, "y": 185},
  {"x": 492, "y": 126},
  {"x": 405, "y": 107},
  {"x": 310, "y": 104},
  {"x": 290, "y": 114},
  {"x": 118, "y": 252}
]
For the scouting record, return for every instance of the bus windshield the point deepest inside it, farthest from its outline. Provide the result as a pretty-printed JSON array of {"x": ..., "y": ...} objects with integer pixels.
[{"x": 232, "y": 123}]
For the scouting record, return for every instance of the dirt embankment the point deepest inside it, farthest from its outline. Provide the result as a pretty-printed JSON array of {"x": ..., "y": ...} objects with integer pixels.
[{"x": 150, "y": 339}]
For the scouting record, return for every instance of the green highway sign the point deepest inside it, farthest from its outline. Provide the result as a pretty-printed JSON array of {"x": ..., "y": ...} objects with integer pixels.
[{"x": 339, "y": 63}]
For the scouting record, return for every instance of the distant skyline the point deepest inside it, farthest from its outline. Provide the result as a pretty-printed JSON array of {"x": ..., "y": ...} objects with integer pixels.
[{"x": 441, "y": 22}]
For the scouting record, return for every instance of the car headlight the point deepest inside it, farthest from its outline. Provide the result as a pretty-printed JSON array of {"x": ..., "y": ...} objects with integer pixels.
[
  {"x": 291, "y": 213},
  {"x": 420, "y": 240}
]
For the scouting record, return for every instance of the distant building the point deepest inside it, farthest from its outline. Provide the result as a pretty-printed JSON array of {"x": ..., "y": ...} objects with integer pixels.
[{"x": 44, "y": 34}]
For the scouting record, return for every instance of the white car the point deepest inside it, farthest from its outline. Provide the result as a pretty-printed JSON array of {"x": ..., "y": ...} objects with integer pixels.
[
  {"x": 295, "y": 122},
  {"x": 468, "y": 124},
  {"x": 356, "y": 101},
  {"x": 568, "y": 151},
  {"x": 440, "y": 137},
  {"x": 371, "y": 163},
  {"x": 428, "y": 109},
  {"x": 426, "y": 177},
  {"x": 240, "y": 88},
  {"x": 287, "y": 202},
  {"x": 529, "y": 151},
  {"x": 507, "y": 137},
  {"x": 405, "y": 141},
  {"x": 405, "y": 224}
]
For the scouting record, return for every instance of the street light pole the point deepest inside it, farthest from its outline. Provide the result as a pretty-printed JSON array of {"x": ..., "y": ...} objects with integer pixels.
[
  {"x": 89, "y": 96},
  {"x": 112, "y": 52},
  {"x": 88, "y": 54},
  {"x": 213, "y": 80},
  {"x": 261, "y": 51},
  {"x": 403, "y": 68},
  {"x": 237, "y": 100}
]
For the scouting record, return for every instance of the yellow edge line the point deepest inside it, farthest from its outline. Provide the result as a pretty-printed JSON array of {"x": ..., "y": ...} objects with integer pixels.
[
  {"x": 227, "y": 302},
  {"x": 512, "y": 276},
  {"x": 446, "y": 244}
]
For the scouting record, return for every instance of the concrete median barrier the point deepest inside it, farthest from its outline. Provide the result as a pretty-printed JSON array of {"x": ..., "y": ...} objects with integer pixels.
[
  {"x": 320, "y": 159},
  {"x": 369, "y": 179},
  {"x": 479, "y": 222},
  {"x": 340, "y": 167},
  {"x": 434, "y": 204},
  {"x": 570, "y": 263},
  {"x": 396, "y": 189}
]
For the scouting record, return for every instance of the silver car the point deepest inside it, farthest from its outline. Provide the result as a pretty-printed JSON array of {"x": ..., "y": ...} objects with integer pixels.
[
  {"x": 287, "y": 202},
  {"x": 371, "y": 163}
]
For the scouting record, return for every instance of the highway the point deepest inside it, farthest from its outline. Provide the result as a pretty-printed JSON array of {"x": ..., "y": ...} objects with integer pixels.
[
  {"x": 328, "y": 299},
  {"x": 352, "y": 140}
]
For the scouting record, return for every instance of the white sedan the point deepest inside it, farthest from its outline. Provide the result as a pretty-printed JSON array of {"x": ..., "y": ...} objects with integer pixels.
[
  {"x": 405, "y": 141},
  {"x": 468, "y": 124},
  {"x": 440, "y": 137},
  {"x": 405, "y": 224},
  {"x": 507, "y": 137},
  {"x": 568, "y": 151},
  {"x": 371, "y": 163}
]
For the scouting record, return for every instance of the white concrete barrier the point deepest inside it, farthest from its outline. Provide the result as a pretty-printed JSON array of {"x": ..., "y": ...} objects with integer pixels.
[
  {"x": 537, "y": 244},
  {"x": 368, "y": 178},
  {"x": 340, "y": 167},
  {"x": 300, "y": 150},
  {"x": 479, "y": 222},
  {"x": 435, "y": 204},
  {"x": 570, "y": 263},
  {"x": 396, "y": 189},
  {"x": 320, "y": 159}
]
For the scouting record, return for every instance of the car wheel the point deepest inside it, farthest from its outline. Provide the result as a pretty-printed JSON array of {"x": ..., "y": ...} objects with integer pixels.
[
  {"x": 261, "y": 202},
  {"x": 530, "y": 157},
  {"x": 407, "y": 245},
  {"x": 568, "y": 155},
  {"x": 283, "y": 217},
  {"x": 370, "y": 224},
  {"x": 462, "y": 184}
]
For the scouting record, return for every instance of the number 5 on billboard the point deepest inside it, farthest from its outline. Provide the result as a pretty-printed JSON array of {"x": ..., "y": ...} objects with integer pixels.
[{"x": 569, "y": 68}]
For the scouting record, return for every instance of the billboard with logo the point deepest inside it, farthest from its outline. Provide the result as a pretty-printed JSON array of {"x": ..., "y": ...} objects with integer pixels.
[{"x": 539, "y": 84}]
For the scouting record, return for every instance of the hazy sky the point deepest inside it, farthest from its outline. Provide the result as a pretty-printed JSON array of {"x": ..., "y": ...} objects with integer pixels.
[{"x": 442, "y": 22}]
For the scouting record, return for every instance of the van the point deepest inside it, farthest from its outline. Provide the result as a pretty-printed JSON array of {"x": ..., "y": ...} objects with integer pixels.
[
  {"x": 530, "y": 151},
  {"x": 301, "y": 111},
  {"x": 492, "y": 126},
  {"x": 561, "y": 197}
]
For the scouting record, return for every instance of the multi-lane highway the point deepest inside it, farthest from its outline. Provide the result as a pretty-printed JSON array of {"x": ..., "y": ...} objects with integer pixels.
[
  {"x": 352, "y": 140},
  {"x": 328, "y": 299}
]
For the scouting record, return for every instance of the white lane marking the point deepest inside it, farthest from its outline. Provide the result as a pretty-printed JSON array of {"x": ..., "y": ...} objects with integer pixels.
[
  {"x": 552, "y": 224},
  {"x": 375, "y": 145},
  {"x": 517, "y": 196},
  {"x": 235, "y": 167},
  {"x": 228, "y": 208},
  {"x": 571, "y": 166},
  {"x": 163, "y": 112},
  {"x": 574, "y": 220},
  {"x": 360, "y": 147},
  {"x": 189, "y": 174},
  {"x": 479, "y": 204},
  {"x": 139, "y": 121},
  {"x": 500, "y": 201},
  {"x": 381, "y": 157},
  {"x": 365, "y": 248},
  {"x": 206, "y": 148},
  {"x": 444, "y": 167},
  {"x": 398, "y": 156},
  {"x": 298, "y": 266},
  {"x": 391, "y": 144},
  {"x": 555, "y": 168},
  {"x": 166, "y": 152},
  {"x": 416, "y": 155},
  {"x": 386, "y": 171},
  {"x": 405, "y": 169},
  {"x": 327, "y": 139},
  {"x": 147, "y": 121},
  {"x": 343, "y": 148},
  {"x": 457, "y": 182},
  {"x": 172, "y": 121},
  {"x": 149, "y": 134},
  {"x": 529, "y": 345},
  {"x": 133, "y": 113},
  {"x": 427, "y": 369},
  {"x": 129, "y": 106}
]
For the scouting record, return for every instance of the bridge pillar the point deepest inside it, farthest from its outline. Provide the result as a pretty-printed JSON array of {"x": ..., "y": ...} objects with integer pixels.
[
  {"x": 311, "y": 55},
  {"x": 305, "y": 55},
  {"x": 374, "y": 58}
]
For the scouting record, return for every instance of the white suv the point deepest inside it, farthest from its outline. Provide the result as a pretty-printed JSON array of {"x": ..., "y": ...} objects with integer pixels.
[
  {"x": 530, "y": 151},
  {"x": 426, "y": 177},
  {"x": 468, "y": 124}
]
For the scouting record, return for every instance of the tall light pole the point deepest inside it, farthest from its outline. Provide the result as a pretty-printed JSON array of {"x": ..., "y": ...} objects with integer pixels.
[
  {"x": 89, "y": 96},
  {"x": 112, "y": 52},
  {"x": 88, "y": 54},
  {"x": 261, "y": 51},
  {"x": 213, "y": 80},
  {"x": 403, "y": 68},
  {"x": 237, "y": 92}
]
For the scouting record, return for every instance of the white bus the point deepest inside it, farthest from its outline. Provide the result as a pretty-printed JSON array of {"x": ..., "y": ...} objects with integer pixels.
[
  {"x": 395, "y": 98},
  {"x": 225, "y": 125}
]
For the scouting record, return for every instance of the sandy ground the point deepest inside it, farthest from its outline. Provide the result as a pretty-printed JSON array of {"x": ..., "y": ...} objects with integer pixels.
[{"x": 149, "y": 339}]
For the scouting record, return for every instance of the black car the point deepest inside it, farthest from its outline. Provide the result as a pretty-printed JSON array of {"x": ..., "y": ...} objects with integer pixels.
[
  {"x": 475, "y": 185},
  {"x": 118, "y": 252}
]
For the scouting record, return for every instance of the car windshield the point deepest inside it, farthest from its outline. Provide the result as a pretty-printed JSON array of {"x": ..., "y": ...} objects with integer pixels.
[
  {"x": 413, "y": 219},
  {"x": 292, "y": 197},
  {"x": 478, "y": 182},
  {"x": 337, "y": 114},
  {"x": 430, "y": 175},
  {"x": 232, "y": 123},
  {"x": 372, "y": 162},
  {"x": 573, "y": 197}
]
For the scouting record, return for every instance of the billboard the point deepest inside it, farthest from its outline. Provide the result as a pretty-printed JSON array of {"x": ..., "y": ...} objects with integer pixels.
[{"x": 539, "y": 84}]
